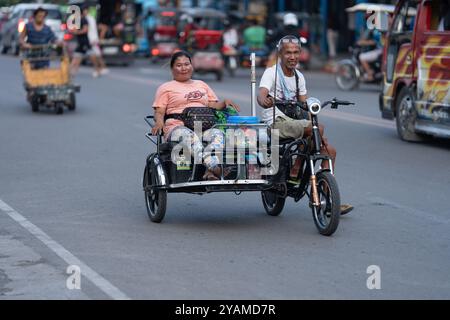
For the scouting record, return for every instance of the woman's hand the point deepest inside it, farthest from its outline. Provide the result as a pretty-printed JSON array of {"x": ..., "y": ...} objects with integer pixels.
[
  {"x": 222, "y": 105},
  {"x": 158, "y": 126},
  {"x": 230, "y": 103}
]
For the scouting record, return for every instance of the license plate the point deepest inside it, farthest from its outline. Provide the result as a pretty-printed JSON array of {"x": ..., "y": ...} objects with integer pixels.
[{"x": 110, "y": 50}]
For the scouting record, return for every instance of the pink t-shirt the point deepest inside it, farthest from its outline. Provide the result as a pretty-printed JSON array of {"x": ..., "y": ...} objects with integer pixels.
[{"x": 174, "y": 97}]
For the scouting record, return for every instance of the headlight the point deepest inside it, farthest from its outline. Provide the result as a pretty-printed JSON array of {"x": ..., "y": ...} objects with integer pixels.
[{"x": 314, "y": 105}]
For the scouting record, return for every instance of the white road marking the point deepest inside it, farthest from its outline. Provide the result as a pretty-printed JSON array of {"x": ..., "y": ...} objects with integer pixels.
[
  {"x": 346, "y": 116},
  {"x": 103, "y": 284}
]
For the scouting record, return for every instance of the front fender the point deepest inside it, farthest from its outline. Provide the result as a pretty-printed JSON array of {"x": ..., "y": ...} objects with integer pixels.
[{"x": 157, "y": 167}]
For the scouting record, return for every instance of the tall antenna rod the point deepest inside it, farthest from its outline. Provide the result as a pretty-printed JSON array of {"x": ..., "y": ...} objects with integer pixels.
[{"x": 253, "y": 81}]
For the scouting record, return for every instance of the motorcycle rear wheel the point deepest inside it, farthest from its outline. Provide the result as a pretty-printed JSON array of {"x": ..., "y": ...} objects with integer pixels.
[{"x": 346, "y": 77}]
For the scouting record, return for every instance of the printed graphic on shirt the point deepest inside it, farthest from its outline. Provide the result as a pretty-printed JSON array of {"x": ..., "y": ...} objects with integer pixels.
[{"x": 194, "y": 96}]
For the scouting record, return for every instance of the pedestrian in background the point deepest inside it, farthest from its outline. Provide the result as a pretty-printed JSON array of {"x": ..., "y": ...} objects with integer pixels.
[
  {"x": 95, "y": 45},
  {"x": 332, "y": 37},
  {"x": 84, "y": 48},
  {"x": 333, "y": 27}
]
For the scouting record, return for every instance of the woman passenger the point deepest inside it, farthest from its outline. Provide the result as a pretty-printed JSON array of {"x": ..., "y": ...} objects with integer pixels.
[{"x": 182, "y": 92}]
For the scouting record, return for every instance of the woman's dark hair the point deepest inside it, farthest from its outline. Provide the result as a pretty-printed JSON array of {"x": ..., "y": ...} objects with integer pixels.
[
  {"x": 40, "y": 9},
  {"x": 177, "y": 55}
]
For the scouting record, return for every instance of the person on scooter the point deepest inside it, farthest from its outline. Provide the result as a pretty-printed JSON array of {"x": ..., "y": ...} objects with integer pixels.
[
  {"x": 290, "y": 26},
  {"x": 182, "y": 92},
  {"x": 254, "y": 38},
  {"x": 372, "y": 39},
  {"x": 36, "y": 33},
  {"x": 110, "y": 18},
  {"x": 289, "y": 82}
]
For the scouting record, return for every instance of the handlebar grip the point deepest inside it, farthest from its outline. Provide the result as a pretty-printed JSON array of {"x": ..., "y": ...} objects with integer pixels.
[{"x": 344, "y": 103}]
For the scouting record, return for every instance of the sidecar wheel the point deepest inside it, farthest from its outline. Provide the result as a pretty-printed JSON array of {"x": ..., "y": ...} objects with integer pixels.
[
  {"x": 326, "y": 216},
  {"x": 155, "y": 200},
  {"x": 272, "y": 203}
]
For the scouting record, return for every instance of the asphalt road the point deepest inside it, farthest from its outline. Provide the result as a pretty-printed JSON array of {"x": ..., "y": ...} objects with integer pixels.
[{"x": 70, "y": 194}]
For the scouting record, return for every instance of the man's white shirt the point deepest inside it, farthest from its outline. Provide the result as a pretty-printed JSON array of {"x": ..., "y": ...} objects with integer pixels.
[{"x": 268, "y": 82}]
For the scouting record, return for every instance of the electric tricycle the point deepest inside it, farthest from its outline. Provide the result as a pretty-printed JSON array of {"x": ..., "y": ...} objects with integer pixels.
[{"x": 265, "y": 166}]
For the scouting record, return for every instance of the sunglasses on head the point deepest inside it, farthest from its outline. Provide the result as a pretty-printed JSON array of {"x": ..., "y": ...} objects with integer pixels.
[{"x": 288, "y": 39}]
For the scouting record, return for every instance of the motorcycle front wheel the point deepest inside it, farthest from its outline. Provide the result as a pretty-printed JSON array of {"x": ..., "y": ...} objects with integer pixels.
[
  {"x": 326, "y": 215},
  {"x": 346, "y": 77}
]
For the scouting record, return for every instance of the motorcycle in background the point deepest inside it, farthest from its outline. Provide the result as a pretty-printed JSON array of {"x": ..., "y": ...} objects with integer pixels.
[{"x": 350, "y": 73}]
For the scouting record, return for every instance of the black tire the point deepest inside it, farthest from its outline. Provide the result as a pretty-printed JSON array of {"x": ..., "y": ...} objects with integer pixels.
[
  {"x": 59, "y": 108},
  {"x": 326, "y": 216},
  {"x": 73, "y": 102},
  {"x": 155, "y": 200},
  {"x": 272, "y": 203},
  {"x": 406, "y": 115},
  {"x": 34, "y": 104},
  {"x": 3, "y": 48},
  {"x": 219, "y": 75},
  {"x": 346, "y": 77},
  {"x": 15, "y": 48}
]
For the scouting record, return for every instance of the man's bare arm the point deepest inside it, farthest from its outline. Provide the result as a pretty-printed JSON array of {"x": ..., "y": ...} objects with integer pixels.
[{"x": 263, "y": 98}]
